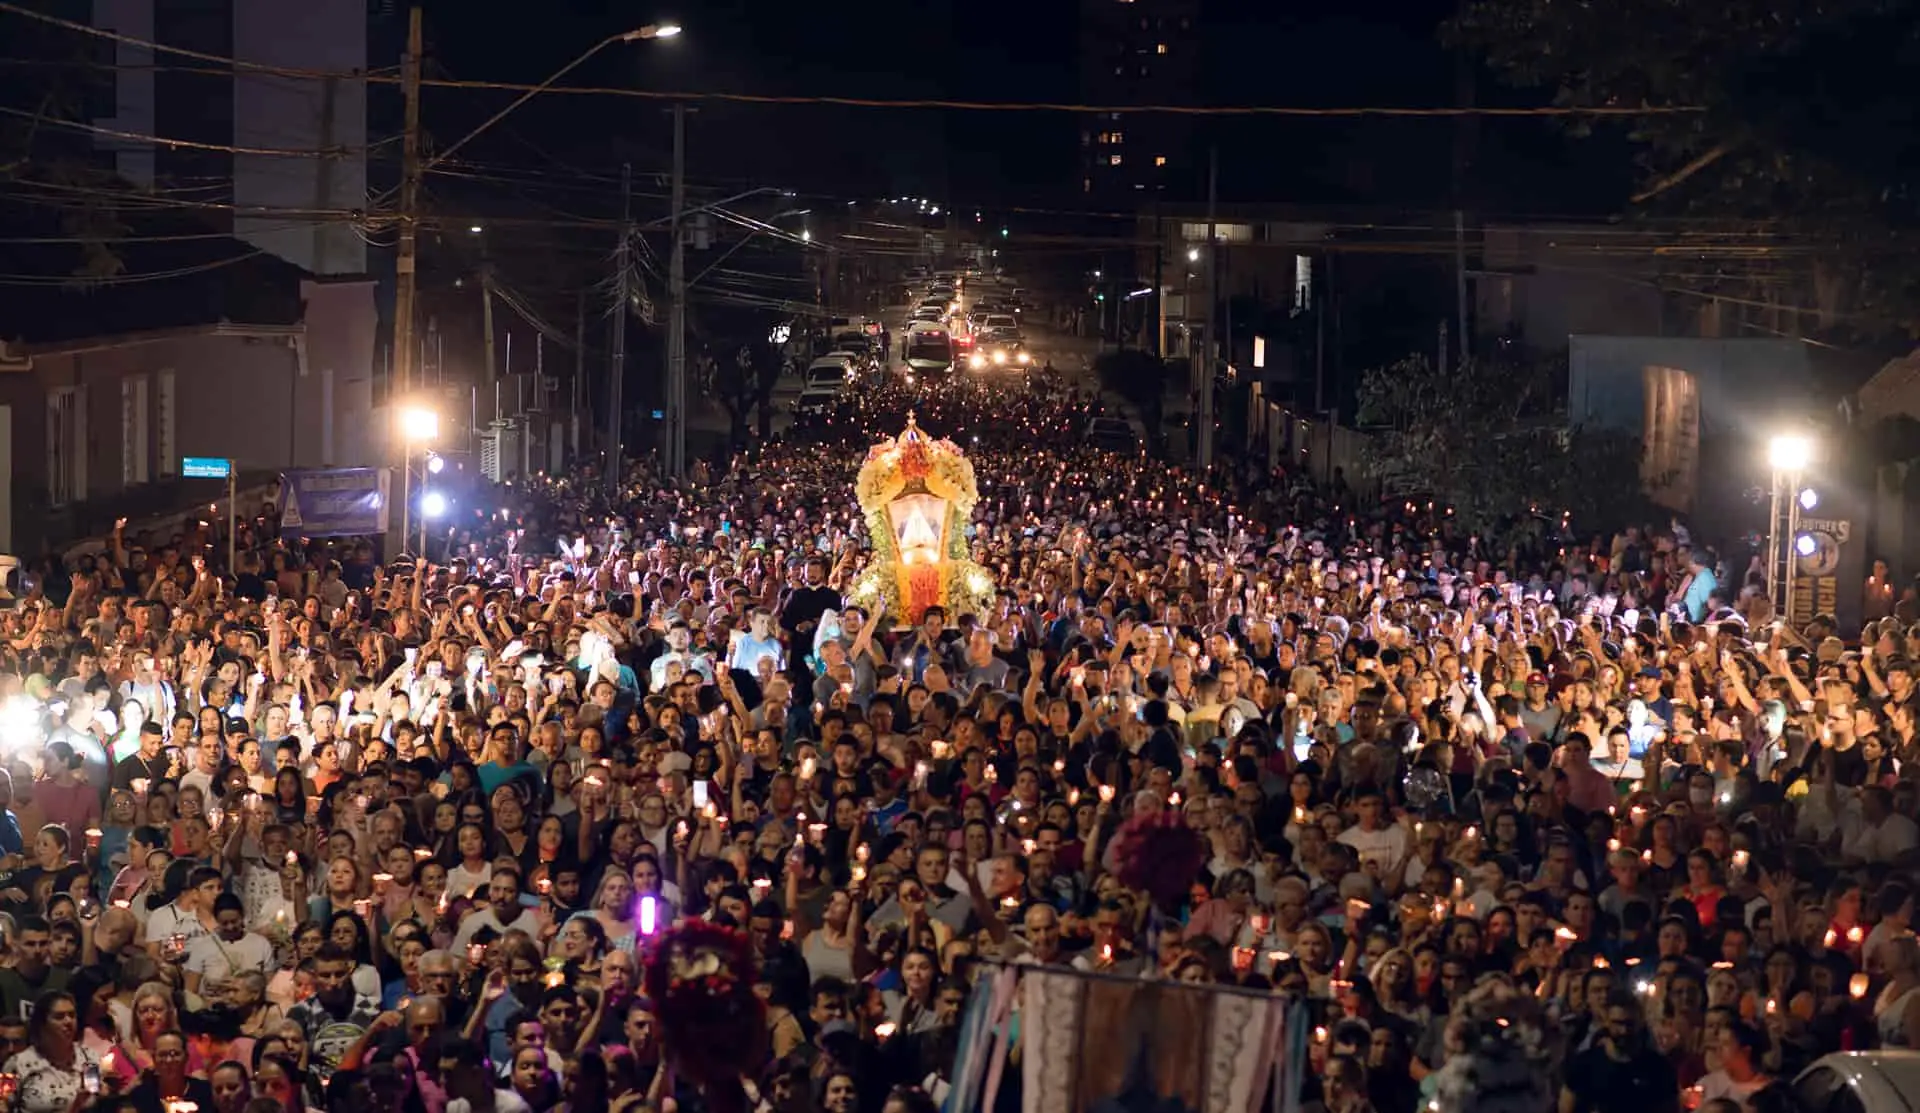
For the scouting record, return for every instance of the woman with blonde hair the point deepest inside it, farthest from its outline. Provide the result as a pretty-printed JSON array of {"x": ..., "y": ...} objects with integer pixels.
[{"x": 154, "y": 1014}]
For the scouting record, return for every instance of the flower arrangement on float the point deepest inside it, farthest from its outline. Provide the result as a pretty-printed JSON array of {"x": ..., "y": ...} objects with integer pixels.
[{"x": 917, "y": 494}]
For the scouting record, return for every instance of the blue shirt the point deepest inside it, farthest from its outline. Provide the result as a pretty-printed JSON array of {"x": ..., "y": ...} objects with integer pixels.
[
  {"x": 1704, "y": 583},
  {"x": 10, "y": 840}
]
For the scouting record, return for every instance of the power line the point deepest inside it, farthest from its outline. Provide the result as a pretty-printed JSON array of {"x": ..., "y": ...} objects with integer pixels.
[
  {"x": 168, "y": 141},
  {"x": 148, "y": 44},
  {"x": 383, "y": 78},
  {"x": 1443, "y": 112},
  {"x": 125, "y": 279}
]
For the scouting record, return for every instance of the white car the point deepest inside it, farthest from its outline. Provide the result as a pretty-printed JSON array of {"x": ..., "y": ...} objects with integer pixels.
[{"x": 1859, "y": 1081}]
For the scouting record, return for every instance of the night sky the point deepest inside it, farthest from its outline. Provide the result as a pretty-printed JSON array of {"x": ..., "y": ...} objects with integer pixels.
[{"x": 1318, "y": 53}]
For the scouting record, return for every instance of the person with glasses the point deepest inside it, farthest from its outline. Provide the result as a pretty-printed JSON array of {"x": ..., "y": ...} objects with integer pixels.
[{"x": 167, "y": 1080}]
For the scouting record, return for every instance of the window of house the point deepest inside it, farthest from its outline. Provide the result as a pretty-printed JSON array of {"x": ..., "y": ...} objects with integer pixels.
[
  {"x": 66, "y": 445},
  {"x": 1159, "y": 160},
  {"x": 1113, "y": 161},
  {"x": 135, "y": 425},
  {"x": 1302, "y": 283},
  {"x": 166, "y": 437},
  {"x": 1160, "y": 49}
]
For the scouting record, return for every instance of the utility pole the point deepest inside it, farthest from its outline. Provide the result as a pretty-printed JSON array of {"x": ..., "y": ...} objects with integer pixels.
[
  {"x": 579, "y": 375},
  {"x": 1159, "y": 284},
  {"x": 677, "y": 313},
  {"x": 1204, "y": 453},
  {"x": 617, "y": 373},
  {"x": 486, "y": 324},
  {"x": 410, "y": 171}
]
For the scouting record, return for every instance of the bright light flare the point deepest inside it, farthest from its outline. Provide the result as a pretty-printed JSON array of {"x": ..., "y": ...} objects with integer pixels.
[
  {"x": 419, "y": 424},
  {"x": 433, "y": 504},
  {"x": 1789, "y": 452}
]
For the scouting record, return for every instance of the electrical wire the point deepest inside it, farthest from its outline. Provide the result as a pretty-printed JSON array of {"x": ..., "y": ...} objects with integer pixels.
[
  {"x": 226, "y": 61},
  {"x": 172, "y": 142},
  {"x": 125, "y": 279},
  {"x": 1443, "y": 112}
]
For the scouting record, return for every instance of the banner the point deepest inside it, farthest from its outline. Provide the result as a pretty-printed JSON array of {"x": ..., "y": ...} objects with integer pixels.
[
  {"x": 333, "y": 502},
  {"x": 1091, "y": 1044}
]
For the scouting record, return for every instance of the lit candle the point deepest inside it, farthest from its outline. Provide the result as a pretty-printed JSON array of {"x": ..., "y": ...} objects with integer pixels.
[{"x": 1857, "y": 986}]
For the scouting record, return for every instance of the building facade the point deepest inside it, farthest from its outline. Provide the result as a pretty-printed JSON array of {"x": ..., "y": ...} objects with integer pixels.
[
  {"x": 1136, "y": 52},
  {"x": 278, "y": 140}
]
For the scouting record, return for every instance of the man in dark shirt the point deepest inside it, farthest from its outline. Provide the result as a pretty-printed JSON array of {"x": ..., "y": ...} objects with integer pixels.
[
  {"x": 805, "y": 605},
  {"x": 1621, "y": 1072},
  {"x": 148, "y": 763}
]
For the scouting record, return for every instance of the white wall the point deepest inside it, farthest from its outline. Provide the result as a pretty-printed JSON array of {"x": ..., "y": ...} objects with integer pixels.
[{"x": 274, "y": 112}]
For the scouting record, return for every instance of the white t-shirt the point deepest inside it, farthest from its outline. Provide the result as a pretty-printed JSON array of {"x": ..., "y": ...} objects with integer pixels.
[
  {"x": 216, "y": 960},
  {"x": 461, "y": 880},
  {"x": 1386, "y": 847},
  {"x": 171, "y": 919}
]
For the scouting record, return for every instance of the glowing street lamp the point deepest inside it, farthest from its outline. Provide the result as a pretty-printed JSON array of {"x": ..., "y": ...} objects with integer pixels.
[
  {"x": 1789, "y": 452},
  {"x": 419, "y": 424},
  {"x": 1788, "y": 455}
]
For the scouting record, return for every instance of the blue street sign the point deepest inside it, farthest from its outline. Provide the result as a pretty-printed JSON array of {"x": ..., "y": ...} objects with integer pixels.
[{"x": 205, "y": 467}]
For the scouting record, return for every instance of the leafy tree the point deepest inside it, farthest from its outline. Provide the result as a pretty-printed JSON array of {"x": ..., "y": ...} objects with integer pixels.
[
  {"x": 1141, "y": 378},
  {"x": 1490, "y": 440},
  {"x": 1799, "y": 163}
]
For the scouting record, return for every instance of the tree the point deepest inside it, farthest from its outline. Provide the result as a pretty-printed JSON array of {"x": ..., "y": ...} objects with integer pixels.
[
  {"x": 1141, "y": 379},
  {"x": 1795, "y": 164},
  {"x": 1490, "y": 440}
]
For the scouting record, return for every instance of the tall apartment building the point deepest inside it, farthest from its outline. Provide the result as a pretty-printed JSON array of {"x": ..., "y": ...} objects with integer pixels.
[
  {"x": 1136, "y": 52},
  {"x": 284, "y": 204}
]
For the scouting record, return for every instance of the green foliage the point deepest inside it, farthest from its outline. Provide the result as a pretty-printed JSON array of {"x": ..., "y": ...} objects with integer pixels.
[
  {"x": 1490, "y": 440},
  {"x": 1141, "y": 378},
  {"x": 1797, "y": 173}
]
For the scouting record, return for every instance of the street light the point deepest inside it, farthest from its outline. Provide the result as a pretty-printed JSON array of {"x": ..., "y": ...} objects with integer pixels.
[
  {"x": 1193, "y": 255},
  {"x": 1788, "y": 455},
  {"x": 418, "y": 425},
  {"x": 650, "y": 31},
  {"x": 1789, "y": 452}
]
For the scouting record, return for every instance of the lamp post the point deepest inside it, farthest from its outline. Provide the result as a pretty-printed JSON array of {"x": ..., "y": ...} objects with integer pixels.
[
  {"x": 418, "y": 425},
  {"x": 650, "y": 31},
  {"x": 1788, "y": 455}
]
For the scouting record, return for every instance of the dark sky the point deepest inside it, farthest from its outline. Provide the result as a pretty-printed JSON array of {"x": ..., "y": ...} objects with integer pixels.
[{"x": 1317, "y": 53}]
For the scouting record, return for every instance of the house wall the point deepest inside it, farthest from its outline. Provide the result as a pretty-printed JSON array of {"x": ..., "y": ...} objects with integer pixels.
[{"x": 231, "y": 396}]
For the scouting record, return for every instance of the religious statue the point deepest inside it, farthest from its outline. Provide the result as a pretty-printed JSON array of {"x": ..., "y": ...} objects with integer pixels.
[{"x": 917, "y": 494}]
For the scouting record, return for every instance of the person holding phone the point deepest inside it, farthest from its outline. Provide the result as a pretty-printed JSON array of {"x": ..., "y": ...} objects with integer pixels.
[{"x": 55, "y": 1069}]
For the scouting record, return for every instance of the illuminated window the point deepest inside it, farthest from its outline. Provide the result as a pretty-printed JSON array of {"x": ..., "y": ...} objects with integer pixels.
[
  {"x": 1160, "y": 49},
  {"x": 1116, "y": 139},
  {"x": 1086, "y": 184},
  {"x": 1113, "y": 160},
  {"x": 1159, "y": 160}
]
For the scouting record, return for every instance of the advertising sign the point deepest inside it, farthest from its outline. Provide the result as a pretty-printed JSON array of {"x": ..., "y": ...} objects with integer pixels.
[{"x": 334, "y": 502}]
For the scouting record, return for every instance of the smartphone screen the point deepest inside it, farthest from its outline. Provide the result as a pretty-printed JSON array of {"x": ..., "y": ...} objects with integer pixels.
[{"x": 699, "y": 794}]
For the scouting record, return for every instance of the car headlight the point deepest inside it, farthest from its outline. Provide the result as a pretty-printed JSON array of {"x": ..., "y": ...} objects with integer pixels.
[
  {"x": 1025, "y": 358},
  {"x": 977, "y": 361},
  {"x": 999, "y": 357}
]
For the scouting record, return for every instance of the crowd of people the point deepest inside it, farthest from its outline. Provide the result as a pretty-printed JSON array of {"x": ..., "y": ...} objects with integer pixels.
[{"x": 323, "y": 832}]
